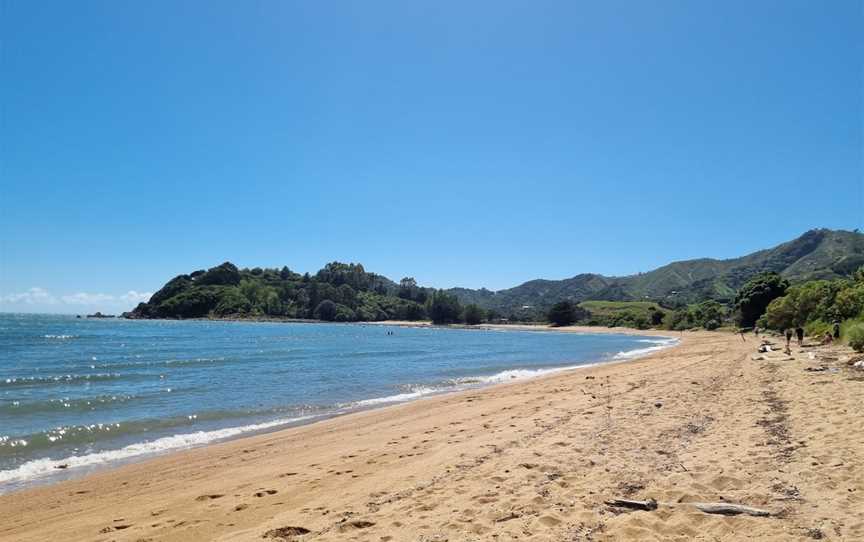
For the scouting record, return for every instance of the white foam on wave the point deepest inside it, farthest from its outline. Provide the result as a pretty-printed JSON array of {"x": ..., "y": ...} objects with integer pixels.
[
  {"x": 659, "y": 340},
  {"x": 510, "y": 375},
  {"x": 39, "y": 468},
  {"x": 398, "y": 398},
  {"x": 524, "y": 374},
  {"x": 659, "y": 344},
  {"x": 60, "y": 337}
]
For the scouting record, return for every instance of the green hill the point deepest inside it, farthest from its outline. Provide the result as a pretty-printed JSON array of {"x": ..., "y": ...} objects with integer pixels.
[
  {"x": 818, "y": 254},
  {"x": 347, "y": 292},
  {"x": 338, "y": 292}
]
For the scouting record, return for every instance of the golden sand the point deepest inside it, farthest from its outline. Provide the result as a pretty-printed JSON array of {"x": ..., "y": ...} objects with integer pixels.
[{"x": 532, "y": 460}]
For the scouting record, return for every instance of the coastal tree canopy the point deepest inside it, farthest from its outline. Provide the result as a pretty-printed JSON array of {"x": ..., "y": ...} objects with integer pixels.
[
  {"x": 755, "y": 295},
  {"x": 473, "y": 315},
  {"x": 444, "y": 308},
  {"x": 562, "y": 313},
  {"x": 339, "y": 292}
]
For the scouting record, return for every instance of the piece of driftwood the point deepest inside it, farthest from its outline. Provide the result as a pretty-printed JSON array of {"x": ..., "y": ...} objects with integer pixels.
[
  {"x": 728, "y": 509},
  {"x": 650, "y": 504}
]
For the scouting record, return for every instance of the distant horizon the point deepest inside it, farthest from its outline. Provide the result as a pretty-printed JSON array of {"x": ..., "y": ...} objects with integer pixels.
[
  {"x": 473, "y": 145},
  {"x": 80, "y": 303}
]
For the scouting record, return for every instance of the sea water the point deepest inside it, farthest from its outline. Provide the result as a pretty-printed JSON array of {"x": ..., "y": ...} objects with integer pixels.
[{"x": 78, "y": 394}]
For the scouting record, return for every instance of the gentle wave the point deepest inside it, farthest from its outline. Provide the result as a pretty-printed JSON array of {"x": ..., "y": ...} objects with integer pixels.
[
  {"x": 44, "y": 467},
  {"x": 399, "y": 397},
  {"x": 163, "y": 363},
  {"x": 78, "y": 404},
  {"x": 57, "y": 379},
  {"x": 660, "y": 344},
  {"x": 509, "y": 375},
  {"x": 60, "y": 337}
]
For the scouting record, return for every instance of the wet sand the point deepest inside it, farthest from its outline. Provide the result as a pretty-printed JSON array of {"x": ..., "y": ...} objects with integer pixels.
[{"x": 708, "y": 421}]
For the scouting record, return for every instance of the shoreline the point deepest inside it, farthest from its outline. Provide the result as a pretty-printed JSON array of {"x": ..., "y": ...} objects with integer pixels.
[
  {"x": 711, "y": 420},
  {"x": 538, "y": 326},
  {"x": 66, "y": 469}
]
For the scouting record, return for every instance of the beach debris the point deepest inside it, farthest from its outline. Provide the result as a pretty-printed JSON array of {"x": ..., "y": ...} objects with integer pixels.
[
  {"x": 286, "y": 533},
  {"x": 648, "y": 505},
  {"x": 62, "y": 466},
  {"x": 729, "y": 509},
  {"x": 508, "y": 517},
  {"x": 816, "y": 369},
  {"x": 815, "y": 533},
  {"x": 721, "y": 508},
  {"x": 658, "y": 404}
]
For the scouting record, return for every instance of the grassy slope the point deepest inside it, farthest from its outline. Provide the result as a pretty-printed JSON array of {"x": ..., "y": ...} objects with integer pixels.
[
  {"x": 816, "y": 254},
  {"x": 610, "y": 308}
]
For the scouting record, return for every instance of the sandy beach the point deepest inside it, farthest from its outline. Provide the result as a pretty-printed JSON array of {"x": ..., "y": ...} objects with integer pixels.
[{"x": 710, "y": 420}]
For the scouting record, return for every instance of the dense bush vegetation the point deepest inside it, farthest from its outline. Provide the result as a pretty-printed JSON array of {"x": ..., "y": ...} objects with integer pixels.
[
  {"x": 562, "y": 313},
  {"x": 818, "y": 304},
  {"x": 707, "y": 315},
  {"x": 633, "y": 314},
  {"x": 444, "y": 308},
  {"x": 855, "y": 335},
  {"x": 755, "y": 295},
  {"x": 338, "y": 292},
  {"x": 473, "y": 315}
]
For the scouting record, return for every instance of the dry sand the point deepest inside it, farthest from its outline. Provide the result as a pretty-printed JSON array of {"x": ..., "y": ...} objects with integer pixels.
[{"x": 532, "y": 460}]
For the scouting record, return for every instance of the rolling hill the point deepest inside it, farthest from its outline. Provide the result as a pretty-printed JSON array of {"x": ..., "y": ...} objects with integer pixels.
[{"x": 817, "y": 254}]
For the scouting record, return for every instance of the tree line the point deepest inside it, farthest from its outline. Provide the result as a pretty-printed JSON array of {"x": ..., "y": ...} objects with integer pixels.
[
  {"x": 766, "y": 300},
  {"x": 338, "y": 292}
]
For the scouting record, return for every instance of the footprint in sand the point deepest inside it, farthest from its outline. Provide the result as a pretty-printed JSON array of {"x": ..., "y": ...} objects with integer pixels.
[
  {"x": 111, "y": 528},
  {"x": 286, "y": 533},
  {"x": 209, "y": 497},
  {"x": 357, "y": 524},
  {"x": 266, "y": 492}
]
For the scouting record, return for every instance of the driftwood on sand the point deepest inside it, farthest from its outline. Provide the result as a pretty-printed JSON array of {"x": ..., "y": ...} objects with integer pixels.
[
  {"x": 722, "y": 508},
  {"x": 729, "y": 509},
  {"x": 650, "y": 504}
]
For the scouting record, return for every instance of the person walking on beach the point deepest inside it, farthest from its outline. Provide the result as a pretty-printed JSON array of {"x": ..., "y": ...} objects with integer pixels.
[
  {"x": 836, "y": 329},
  {"x": 799, "y": 332},
  {"x": 788, "y": 337}
]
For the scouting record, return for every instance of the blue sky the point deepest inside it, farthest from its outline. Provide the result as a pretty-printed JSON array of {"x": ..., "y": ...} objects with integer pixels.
[{"x": 463, "y": 143}]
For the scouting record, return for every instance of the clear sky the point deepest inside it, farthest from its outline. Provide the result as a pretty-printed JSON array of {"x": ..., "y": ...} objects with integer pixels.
[{"x": 479, "y": 143}]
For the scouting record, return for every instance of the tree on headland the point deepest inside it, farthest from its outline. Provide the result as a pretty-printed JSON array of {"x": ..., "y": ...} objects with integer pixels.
[
  {"x": 656, "y": 316},
  {"x": 326, "y": 310},
  {"x": 473, "y": 315},
  {"x": 562, "y": 313},
  {"x": 444, "y": 308},
  {"x": 753, "y": 298}
]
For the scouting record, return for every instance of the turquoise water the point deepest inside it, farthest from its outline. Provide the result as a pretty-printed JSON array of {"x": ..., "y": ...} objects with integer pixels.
[{"x": 77, "y": 394}]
